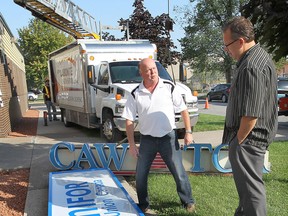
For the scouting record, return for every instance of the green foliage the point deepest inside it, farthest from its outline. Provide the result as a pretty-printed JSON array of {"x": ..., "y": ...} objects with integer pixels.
[
  {"x": 280, "y": 65},
  {"x": 202, "y": 44},
  {"x": 143, "y": 26},
  {"x": 270, "y": 20},
  {"x": 37, "y": 40}
]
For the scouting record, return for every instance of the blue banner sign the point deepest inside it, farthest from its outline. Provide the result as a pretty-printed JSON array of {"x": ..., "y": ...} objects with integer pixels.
[{"x": 90, "y": 193}]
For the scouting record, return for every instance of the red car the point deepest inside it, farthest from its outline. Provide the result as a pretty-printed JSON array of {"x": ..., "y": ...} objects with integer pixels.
[
  {"x": 283, "y": 96},
  {"x": 283, "y": 106}
]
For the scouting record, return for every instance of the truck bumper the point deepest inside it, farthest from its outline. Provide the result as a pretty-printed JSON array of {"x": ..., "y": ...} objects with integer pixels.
[{"x": 121, "y": 122}]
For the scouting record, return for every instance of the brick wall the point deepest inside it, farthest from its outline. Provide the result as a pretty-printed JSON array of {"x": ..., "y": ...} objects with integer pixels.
[{"x": 14, "y": 96}]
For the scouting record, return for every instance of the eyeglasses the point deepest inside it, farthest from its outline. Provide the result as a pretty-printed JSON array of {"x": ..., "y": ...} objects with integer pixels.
[{"x": 226, "y": 45}]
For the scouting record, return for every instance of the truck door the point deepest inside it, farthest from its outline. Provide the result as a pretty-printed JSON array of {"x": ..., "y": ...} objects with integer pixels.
[{"x": 103, "y": 81}]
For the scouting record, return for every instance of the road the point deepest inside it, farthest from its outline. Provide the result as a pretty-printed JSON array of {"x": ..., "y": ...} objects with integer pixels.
[
  {"x": 215, "y": 108},
  {"x": 219, "y": 108}
]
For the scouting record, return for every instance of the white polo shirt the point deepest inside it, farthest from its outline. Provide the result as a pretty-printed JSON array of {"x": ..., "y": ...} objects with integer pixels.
[{"x": 156, "y": 111}]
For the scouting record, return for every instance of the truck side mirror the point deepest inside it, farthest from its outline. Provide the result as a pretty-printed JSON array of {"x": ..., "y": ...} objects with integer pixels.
[
  {"x": 182, "y": 72},
  {"x": 91, "y": 74}
]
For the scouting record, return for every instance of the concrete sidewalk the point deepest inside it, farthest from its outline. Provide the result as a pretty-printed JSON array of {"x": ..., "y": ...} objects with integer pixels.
[{"x": 33, "y": 153}]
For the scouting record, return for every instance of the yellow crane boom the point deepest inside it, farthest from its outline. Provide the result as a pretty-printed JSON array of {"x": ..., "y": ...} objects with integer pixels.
[{"x": 64, "y": 15}]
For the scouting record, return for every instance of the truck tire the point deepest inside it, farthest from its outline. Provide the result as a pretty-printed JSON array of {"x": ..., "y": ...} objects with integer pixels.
[
  {"x": 109, "y": 129},
  {"x": 63, "y": 116}
]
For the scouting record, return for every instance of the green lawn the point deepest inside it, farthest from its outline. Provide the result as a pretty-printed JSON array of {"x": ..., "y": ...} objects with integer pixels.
[
  {"x": 208, "y": 122},
  {"x": 216, "y": 195}
]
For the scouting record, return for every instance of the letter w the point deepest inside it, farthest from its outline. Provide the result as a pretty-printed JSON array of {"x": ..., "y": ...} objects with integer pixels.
[{"x": 118, "y": 161}]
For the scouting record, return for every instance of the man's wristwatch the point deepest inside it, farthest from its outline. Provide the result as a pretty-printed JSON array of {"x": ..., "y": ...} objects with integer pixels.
[{"x": 188, "y": 131}]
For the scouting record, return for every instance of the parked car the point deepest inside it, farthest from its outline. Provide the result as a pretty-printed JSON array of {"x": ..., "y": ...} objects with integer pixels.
[
  {"x": 283, "y": 106},
  {"x": 282, "y": 86},
  {"x": 282, "y": 91},
  {"x": 32, "y": 96},
  {"x": 35, "y": 91},
  {"x": 219, "y": 92}
]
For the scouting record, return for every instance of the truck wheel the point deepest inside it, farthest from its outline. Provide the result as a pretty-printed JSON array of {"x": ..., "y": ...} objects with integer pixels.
[
  {"x": 63, "y": 115},
  {"x": 110, "y": 130}
]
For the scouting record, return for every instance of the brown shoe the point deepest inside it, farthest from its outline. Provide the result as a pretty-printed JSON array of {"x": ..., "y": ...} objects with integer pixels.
[
  {"x": 190, "y": 207},
  {"x": 148, "y": 212}
]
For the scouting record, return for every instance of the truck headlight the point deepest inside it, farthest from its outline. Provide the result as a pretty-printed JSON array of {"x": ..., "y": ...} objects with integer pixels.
[{"x": 119, "y": 108}]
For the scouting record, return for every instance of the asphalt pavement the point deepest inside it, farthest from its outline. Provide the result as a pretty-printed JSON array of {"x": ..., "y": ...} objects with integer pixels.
[{"x": 32, "y": 152}]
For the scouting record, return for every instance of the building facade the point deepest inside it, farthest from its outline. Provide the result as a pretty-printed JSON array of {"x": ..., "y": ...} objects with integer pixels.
[{"x": 13, "y": 87}]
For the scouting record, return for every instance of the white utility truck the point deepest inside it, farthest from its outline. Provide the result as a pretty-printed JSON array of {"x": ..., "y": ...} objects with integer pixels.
[{"x": 91, "y": 79}]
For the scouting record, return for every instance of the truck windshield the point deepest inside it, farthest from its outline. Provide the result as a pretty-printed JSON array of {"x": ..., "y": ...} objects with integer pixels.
[{"x": 127, "y": 72}]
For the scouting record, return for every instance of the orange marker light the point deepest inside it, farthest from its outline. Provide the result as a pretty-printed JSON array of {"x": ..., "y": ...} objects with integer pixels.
[{"x": 118, "y": 96}]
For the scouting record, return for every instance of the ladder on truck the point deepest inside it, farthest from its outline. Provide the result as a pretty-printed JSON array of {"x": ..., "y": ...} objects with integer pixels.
[{"x": 64, "y": 15}]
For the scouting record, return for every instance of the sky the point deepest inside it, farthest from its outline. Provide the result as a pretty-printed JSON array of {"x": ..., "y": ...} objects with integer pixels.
[{"x": 108, "y": 12}]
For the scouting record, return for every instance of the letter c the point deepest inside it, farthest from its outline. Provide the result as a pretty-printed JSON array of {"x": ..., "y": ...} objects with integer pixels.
[
  {"x": 54, "y": 157},
  {"x": 215, "y": 159}
]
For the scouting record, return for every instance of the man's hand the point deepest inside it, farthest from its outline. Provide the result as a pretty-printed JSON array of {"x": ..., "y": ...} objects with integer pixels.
[
  {"x": 133, "y": 150},
  {"x": 247, "y": 124},
  {"x": 188, "y": 139}
]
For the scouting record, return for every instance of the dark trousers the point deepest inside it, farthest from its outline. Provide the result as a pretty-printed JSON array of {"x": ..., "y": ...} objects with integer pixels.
[
  {"x": 168, "y": 147},
  {"x": 247, "y": 163},
  {"x": 50, "y": 106}
]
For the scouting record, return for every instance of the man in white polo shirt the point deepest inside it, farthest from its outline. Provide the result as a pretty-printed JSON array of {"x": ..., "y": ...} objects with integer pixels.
[{"x": 155, "y": 101}]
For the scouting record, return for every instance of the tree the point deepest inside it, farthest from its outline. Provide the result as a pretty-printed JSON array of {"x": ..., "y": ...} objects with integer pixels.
[
  {"x": 37, "y": 41},
  {"x": 270, "y": 19},
  {"x": 202, "y": 44},
  {"x": 143, "y": 26},
  {"x": 280, "y": 64}
]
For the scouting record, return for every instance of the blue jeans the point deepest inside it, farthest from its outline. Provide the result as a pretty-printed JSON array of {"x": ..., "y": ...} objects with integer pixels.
[
  {"x": 50, "y": 105},
  {"x": 168, "y": 147}
]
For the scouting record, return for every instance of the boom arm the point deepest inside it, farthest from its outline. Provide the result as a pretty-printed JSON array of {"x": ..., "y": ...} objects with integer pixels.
[{"x": 64, "y": 15}]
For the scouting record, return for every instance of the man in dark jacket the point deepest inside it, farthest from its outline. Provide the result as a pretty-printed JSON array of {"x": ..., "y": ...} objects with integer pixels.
[{"x": 48, "y": 102}]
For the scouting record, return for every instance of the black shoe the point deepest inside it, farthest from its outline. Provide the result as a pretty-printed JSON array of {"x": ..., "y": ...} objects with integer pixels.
[
  {"x": 56, "y": 119},
  {"x": 50, "y": 119}
]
